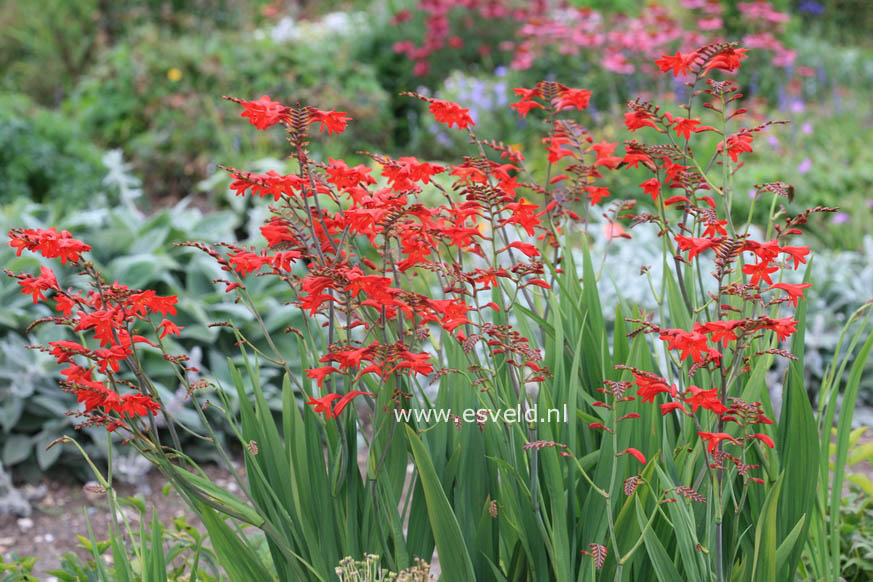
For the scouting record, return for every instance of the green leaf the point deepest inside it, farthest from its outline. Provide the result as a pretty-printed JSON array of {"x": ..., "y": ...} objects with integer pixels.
[
  {"x": 240, "y": 562},
  {"x": 661, "y": 562},
  {"x": 765, "y": 537},
  {"x": 860, "y": 453},
  {"x": 454, "y": 559},
  {"x": 155, "y": 561},
  {"x": 862, "y": 481},
  {"x": 16, "y": 448}
]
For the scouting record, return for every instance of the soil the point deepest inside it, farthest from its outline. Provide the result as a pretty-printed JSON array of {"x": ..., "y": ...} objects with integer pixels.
[{"x": 59, "y": 515}]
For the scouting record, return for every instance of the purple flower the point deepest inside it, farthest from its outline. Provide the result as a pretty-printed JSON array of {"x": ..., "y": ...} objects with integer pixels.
[
  {"x": 797, "y": 106},
  {"x": 773, "y": 141},
  {"x": 804, "y": 166},
  {"x": 840, "y": 218},
  {"x": 500, "y": 71},
  {"x": 810, "y": 7},
  {"x": 806, "y": 128}
]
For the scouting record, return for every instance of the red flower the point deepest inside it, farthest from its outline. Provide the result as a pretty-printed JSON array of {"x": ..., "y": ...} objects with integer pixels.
[
  {"x": 596, "y": 194},
  {"x": 111, "y": 357},
  {"x": 63, "y": 350},
  {"x": 684, "y": 127},
  {"x": 635, "y": 453},
  {"x": 707, "y": 399},
  {"x": 796, "y": 253},
  {"x": 523, "y": 107},
  {"x": 334, "y": 121},
  {"x": 760, "y": 272},
  {"x": 679, "y": 63},
  {"x": 137, "y": 405},
  {"x": 690, "y": 343},
  {"x": 652, "y": 187},
  {"x": 450, "y": 113},
  {"x": 721, "y": 330},
  {"x": 48, "y": 242},
  {"x": 713, "y": 438},
  {"x": 794, "y": 290},
  {"x": 264, "y": 112},
  {"x": 167, "y": 327},
  {"x": 31, "y": 285},
  {"x": 763, "y": 438},
  {"x": 648, "y": 387},
  {"x": 575, "y": 98},
  {"x": 737, "y": 144},
  {"x": 727, "y": 60},
  {"x": 634, "y": 120},
  {"x": 324, "y": 403},
  {"x": 320, "y": 373},
  {"x": 671, "y": 406},
  {"x": 693, "y": 245},
  {"x": 783, "y": 327},
  {"x": 528, "y": 249},
  {"x": 523, "y": 214}
]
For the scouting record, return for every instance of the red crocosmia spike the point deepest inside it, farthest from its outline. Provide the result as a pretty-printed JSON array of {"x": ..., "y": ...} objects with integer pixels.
[
  {"x": 31, "y": 285},
  {"x": 48, "y": 242},
  {"x": 538, "y": 283},
  {"x": 599, "y": 426},
  {"x": 523, "y": 214},
  {"x": 628, "y": 416},
  {"x": 796, "y": 253},
  {"x": 783, "y": 327},
  {"x": 333, "y": 121},
  {"x": 738, "y": 143},
  {"x": 707, "y": 399},
  {"x": 323, "y": 404},
  {"x": 63, "y": 350},
  {"x": 527, "y": 94},
  {"x": 451, "y": 113},
  {"x": 690, "y": 343},
  {"x": 683, "y": 126},
  {"x": 794, "y": 290},
  {"x": 713, "y": 438},
  {"x": 763, "y": 438},
  {"x": 635, "y": 453},
  {"x": 694, "y": 245},
  {"x": 635, "y": 120},
  {"x": 668, "y": 407},
  {"x": 344, "y": 401},
  {"x": 523, "y": 107},
  {"x": 167, "y": 327},
  {"x": 596, "y": 194},
  {"x": 674, "y": 199},
  {"x": 727, "y": 60},
  {"x": 679, "y": 63},
  {"x": 264, "y": 112},
  {"x": 649, "y": 387},
  {"x": 652, "y": 187},
  {"x": 137, "y": 405},
  {"x": 573, "y": 98},
  {"x": 760, "y": 271},
  {"x": 526, "y": 248}
]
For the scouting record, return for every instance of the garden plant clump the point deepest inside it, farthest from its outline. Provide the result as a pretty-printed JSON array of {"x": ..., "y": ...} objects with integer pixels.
[{"x": 429, "y": 287}]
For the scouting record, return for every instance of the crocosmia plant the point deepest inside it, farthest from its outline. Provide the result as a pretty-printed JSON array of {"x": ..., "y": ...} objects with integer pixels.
[{"x": 449, "y": 309}]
